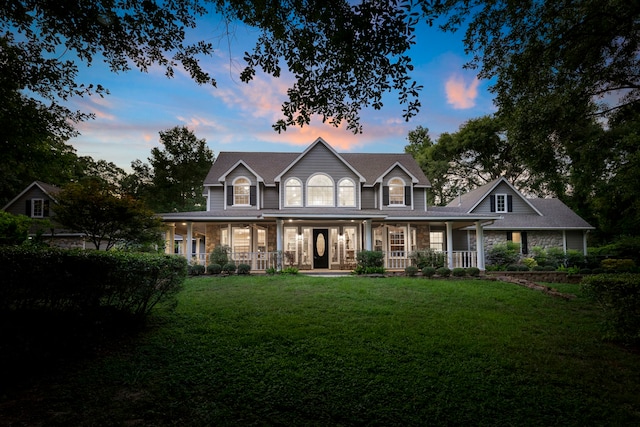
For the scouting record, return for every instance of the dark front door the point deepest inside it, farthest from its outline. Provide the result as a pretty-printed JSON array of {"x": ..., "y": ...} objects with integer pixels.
[{"x": 321, "y": 248}]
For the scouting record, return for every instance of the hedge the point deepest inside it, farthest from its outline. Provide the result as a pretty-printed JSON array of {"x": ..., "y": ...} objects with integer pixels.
[
  {"x": 619, "y": 296},
  {"x": 75, "y": 280}
]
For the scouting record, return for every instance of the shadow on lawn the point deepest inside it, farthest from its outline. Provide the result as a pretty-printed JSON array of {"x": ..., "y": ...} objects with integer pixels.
[{"x": 37, "y": 344}]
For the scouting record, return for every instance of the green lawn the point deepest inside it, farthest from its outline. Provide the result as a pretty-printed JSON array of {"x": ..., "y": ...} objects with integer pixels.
[{"x": 295, "y": 350}]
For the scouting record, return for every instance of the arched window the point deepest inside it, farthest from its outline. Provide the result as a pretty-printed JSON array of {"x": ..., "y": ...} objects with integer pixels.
[
  {"x": 396, "y": 191},
  {"x": 293, "y": 192},
  {"x": 346, "y": 193},
  {"x": 320, "y": 191},
  {"x": 241, "y": 191}
]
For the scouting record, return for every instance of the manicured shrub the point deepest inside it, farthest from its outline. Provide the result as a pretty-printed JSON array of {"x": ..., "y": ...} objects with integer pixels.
[
  {"x": 619, "y": 296},
  {"x": 428, "y": 271},
  {"x": 196, "y": 270},
  {"x": 537, "y": 268},
  {"x": 585, "y": 271},
  {"x": 512, "y": 267},
  {"x": 473, "y": 271},
  {"x": 411, "y": 270},
  {"x": 214, "y": 269},
  {"x": 427, "y": 258},
  {"x": 369, "y": 262},
  {"x": 618, "y": 265},
  {"x": 290, "y": 270},
  {"x": 229, "y": 268},
  {"x": 548, "y": 268},
  {"x": 574, "y": 258},
  {"x": 522, "y": 267},
  {"x": 529, "y": 262},
  {"x": 443, "y": 272},
  {"x": 244, "y": 268},
  {"x": 369, "y": 270},
  {"x": 459, "y": 272},
  {"x": 555, "y": 257},
  {"x": 271, "y": 271},
  {"x": 503, "y": 254},
  {"x": 220, "y": 255}
]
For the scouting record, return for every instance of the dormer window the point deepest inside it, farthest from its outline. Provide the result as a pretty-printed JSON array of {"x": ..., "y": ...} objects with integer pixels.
[
  {"x": 37, "y": 208},
  {"x": 320, "y": 191},
  {"x": 396, "y": 191},
  {"x": 293, "y": 192},
  {"x": 346, "y": 193},
  {"x": 241, "y": 192}
]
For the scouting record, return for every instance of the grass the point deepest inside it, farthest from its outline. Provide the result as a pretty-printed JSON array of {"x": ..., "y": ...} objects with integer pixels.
[{"x": 350, "y": 351}]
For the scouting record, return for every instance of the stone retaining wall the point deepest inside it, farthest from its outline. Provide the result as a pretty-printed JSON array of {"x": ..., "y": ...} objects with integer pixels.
[{"x": 538, "y": 276}]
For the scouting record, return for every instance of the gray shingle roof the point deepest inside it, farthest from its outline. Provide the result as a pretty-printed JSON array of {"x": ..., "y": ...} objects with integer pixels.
[{"x": 269, "y": 165}]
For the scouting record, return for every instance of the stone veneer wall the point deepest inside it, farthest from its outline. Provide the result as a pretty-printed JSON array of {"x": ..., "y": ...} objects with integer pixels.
[
  {"x": 544, "y": 239},
  {"x": 423, "y": 239}
]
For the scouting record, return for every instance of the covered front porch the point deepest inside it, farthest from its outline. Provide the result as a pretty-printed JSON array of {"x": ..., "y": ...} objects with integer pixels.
[{"x": 321, "y": 243}]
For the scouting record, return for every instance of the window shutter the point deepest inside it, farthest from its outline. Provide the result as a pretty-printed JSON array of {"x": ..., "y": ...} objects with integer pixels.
[
  {"x": 385, "y": 195},
  {"x": 510, "y": 236},
  {"x": 407, "y": 195},
  {"x": 45, "y": 208},
  {"x": 492, "y": 203},
  {"x": 509, "y": 203},
  {"x": 525, "y": 246},
  {"x": 27, "y": 209},
  {"x": 252, "y": 195},
  {"x": 229, "y": 195}
]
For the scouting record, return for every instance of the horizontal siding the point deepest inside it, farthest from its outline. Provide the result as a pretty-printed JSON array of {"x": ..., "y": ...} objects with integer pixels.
[
  {"x": 270, "y": 197},
  {"x": 239, "y": 171},
  {"x": 396, "y": 172},
  {"x": 18, "y": 207},
  {"x": 574, "y": 240},
  {"x": 320, "y": 160},
  {"x": 368, "y": 198},
  {"x": 520, "y": 206},
  {"x": 418, "y": 199},
  {"x": 217, "y": 198}
]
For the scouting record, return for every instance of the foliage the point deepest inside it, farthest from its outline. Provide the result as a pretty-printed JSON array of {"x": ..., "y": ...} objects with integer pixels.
[
  {"x": 359, "y": 270},
  {"x": 229, "y": 268},
  {"x": 529, "y": 262},
  {"x": 411, "y": 270},
  {"x": 503, "y": 254},
  {"x": 214, "y": 268},
  {"x": 244, "y": 269},
  {"x": 619, "y": 297},
  {"x": 92, "y": 208},
  {"x": 290, "y": 270},
  {"x": 428, "y": 271},
  {"x": 427, "y": 258},
  {"x": 173, "y": 180},
  {"x": 443, "y": 272},
  {"x": 626, "y": 247},
  {"x": 271, "y": 271},
  {"x": 63, "y": 280},
  {"x": 473, "y": 271},
  {"x": 370, "y": 259},
  {"x": 459, "y": 272},
  {"x": 575, "y": 258},
  {"x": 196, "y": 269},
  {"x": 555, "y": 257},
  {"x": 220, "y": 255},
  {"x": 14, "y": 229},
  {"x": 618, "y": 265}
]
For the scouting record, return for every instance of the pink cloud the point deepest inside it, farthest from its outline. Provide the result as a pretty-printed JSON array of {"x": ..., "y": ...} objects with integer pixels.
[{"x": 460, "y": 95}]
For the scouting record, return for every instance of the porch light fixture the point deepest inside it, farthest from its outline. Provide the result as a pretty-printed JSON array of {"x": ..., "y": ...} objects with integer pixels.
[
  {"x": 299, "y": 237},
  {"x": 341, "y": 237}
]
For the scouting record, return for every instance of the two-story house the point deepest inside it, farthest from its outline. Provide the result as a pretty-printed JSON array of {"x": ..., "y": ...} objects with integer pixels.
[{"x": 318, "y": 208}]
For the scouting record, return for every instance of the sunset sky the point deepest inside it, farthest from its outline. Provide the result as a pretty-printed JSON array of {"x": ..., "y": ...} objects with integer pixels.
[{"x": 237, "y": 117}]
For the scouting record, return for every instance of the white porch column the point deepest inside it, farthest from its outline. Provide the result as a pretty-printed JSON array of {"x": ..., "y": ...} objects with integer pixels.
[
  {"x": 584, "y": 243},
  {"x": 368, "y": 238},
  {"x": 480, "y": 245},
  {"x": 279, "y": 241},
  {"x": 188, "y": 242},
  {"x": 450, "y": 244},
  {"x": 170, "y": 239},
  {"x": 198, "y": 249}
]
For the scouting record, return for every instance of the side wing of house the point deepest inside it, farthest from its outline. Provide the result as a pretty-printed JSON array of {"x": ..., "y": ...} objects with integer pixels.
[{"x": 35, "y": 201}]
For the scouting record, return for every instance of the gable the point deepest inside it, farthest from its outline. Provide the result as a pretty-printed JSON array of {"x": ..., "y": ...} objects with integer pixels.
[
  {"x": 36, "y": 190},
  {"x": 519, "y": 205},
  {"x": 320, "y": 157}
]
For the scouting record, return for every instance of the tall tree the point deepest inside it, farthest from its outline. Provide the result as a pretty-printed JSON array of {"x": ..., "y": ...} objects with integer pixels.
[
  {"x": 94, "y": 208},
  {"x": 176, "y": 172}
]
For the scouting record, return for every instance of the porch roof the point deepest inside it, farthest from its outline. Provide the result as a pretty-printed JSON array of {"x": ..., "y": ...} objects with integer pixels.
[{"x": 439, "y": 215}]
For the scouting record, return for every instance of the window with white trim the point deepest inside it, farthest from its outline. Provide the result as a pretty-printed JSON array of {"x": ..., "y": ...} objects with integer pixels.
[
  {"x": 293, "y": 192},
  {"x": 320, "y": 191},
  {"x": 396, "y": 242},
  {"x": 501, "y": 203},
  {"x": 346, "y": 193},
  {"x": 241, "y": 192},
  {"x": 396, "y": 191},
  {"x": 436, "y": 241},
  {"x": 37, "y": 208}
]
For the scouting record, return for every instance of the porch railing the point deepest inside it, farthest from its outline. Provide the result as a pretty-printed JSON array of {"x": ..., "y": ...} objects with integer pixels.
[{"x": 395, "y": 260}]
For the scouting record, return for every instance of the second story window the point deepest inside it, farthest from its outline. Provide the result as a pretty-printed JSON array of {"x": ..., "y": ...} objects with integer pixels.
[
  {"x": 37, "y": 208},
  {"x": 293, "y": 192},
  {"x": 241, "y": 191},
  {"x": 320, "y": 191},
  {"x": 396, "y": 191},
  {"x": 346, "y": 193}
]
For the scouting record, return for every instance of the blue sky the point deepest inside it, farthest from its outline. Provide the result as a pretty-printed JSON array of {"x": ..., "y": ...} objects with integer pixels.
[{"x": 238, "y": 117}]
